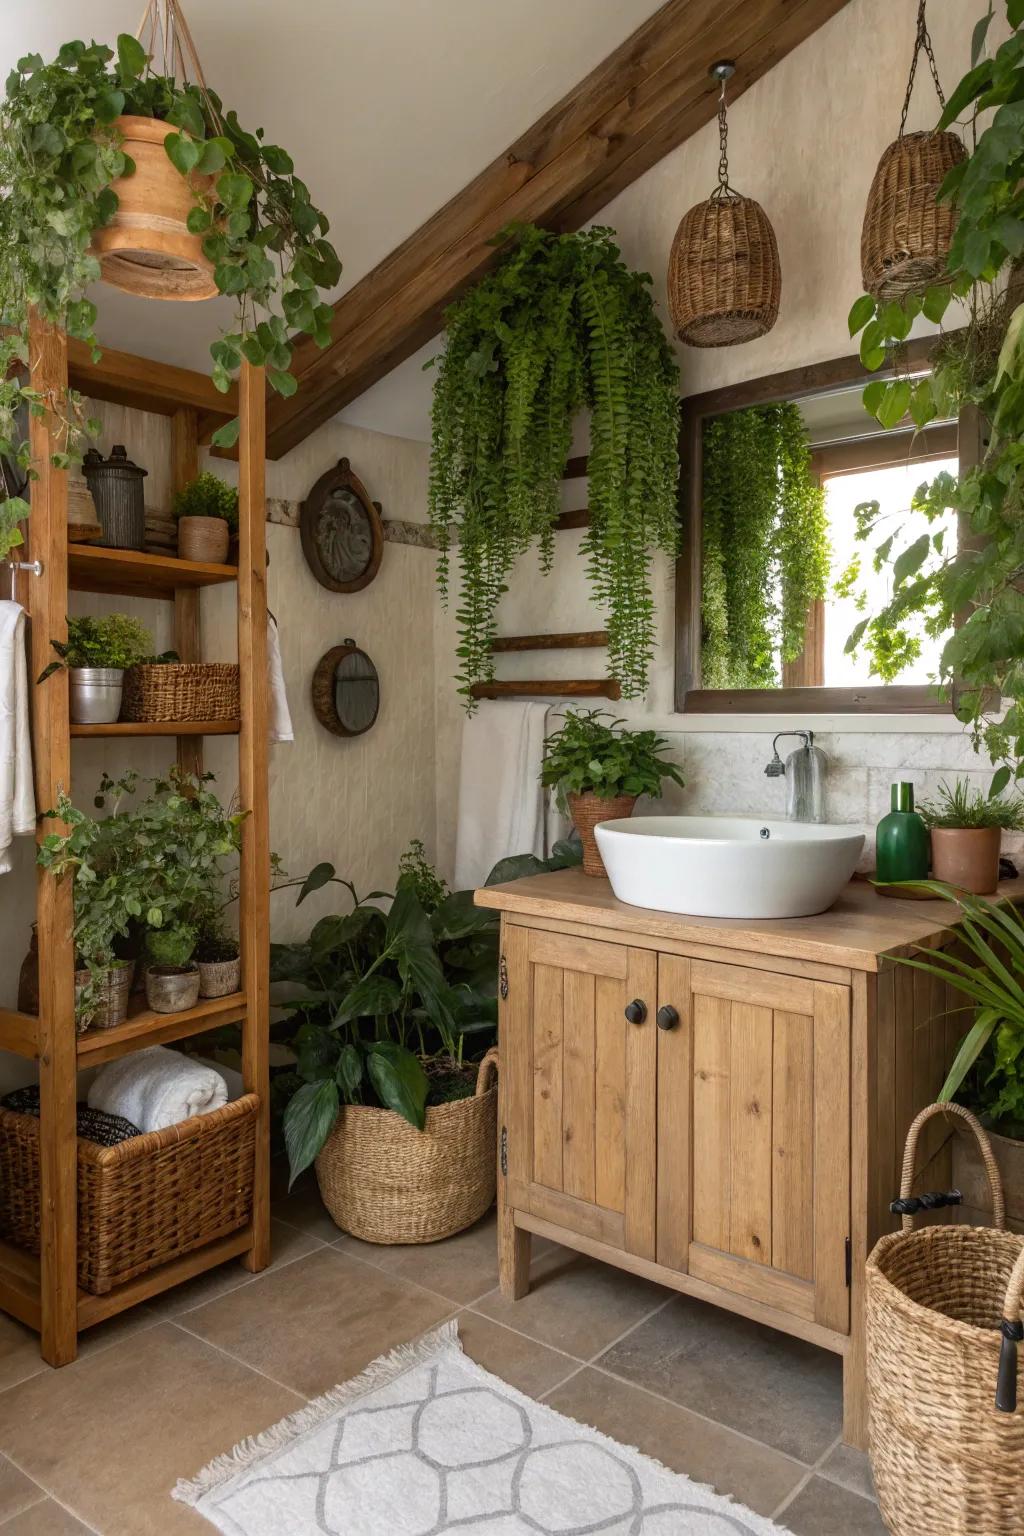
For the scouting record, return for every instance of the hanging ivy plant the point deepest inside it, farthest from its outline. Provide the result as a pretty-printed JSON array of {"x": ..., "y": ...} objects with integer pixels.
[
  {"x": 561, "y": 325},
  {"x": 765, "y": 545},
  {"x": 60, "y": 152}
]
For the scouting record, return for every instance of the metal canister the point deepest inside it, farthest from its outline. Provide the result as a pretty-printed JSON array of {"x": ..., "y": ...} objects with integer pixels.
[{"x": 116, "y": 488}]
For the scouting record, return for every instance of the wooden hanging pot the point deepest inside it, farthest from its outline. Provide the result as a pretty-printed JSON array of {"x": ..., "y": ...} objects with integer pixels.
[{"x": 147, "y": 248}]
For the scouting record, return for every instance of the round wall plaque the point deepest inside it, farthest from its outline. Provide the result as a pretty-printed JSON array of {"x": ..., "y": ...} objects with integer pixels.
[
  {"x": 346, "y": 690},
  {"x": 342, "y": 534}
]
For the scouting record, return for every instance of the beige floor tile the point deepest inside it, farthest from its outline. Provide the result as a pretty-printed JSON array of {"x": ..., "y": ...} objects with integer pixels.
[
  {"x": 302, "y": 1206},
  {"x": 111, "y": 1435},
  {"x": 705, "y": 1452},
  {"x": 765, "y": 1384},
  {"x": 317, "y": 1322},
  {"x": 463, "y": 1267},
  {"x": 286, "y": 1244},
  {"x": 17, "y": 1491},
  {"x": 46, "y": 1519},
  {"x": 823, "y": 1509},
  {"x": 576, "y": 1304},
  {"x": 19, "y": 1346},
  {"x": 851, "y": 1469},
  {"x": 530, "y": 1366}
]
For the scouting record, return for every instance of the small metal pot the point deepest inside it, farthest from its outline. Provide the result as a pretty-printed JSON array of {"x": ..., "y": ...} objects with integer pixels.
[
  {"x": 116, "y": 488},
  {"x": 172, "y": 988},
  {"x": 95, "y": 694}
]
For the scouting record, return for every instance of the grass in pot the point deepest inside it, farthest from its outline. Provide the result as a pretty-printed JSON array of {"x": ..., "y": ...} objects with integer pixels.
[
  {"x": 207, "y": 513},
  {"x": 966, "y": 830},
  {"x": 598, "y": 769},
  {"x": 96, "y": 655}
]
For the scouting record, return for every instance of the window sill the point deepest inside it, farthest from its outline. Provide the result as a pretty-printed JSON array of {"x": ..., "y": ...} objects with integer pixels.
[{"x": 938, "y": 724}]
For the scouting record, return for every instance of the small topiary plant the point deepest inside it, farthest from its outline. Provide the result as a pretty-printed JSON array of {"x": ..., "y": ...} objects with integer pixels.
[
  {"x": 116, "y": 641},
  {"x": 208, "y": 496}
]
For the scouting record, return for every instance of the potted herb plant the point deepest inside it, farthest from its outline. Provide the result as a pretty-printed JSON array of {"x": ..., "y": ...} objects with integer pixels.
[
  {"x": 598, "y": 769},
  {"x": 219, "y": 959},
  {"x": 207, "y": 513},
  {"x": 966, "y": 834},
  {"x": 986, "y": 968},
  {"x": 96, "y": 655}
]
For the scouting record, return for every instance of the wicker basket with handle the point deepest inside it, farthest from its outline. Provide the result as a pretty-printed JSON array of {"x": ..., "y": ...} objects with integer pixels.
[
  {"x": 944, "y": 1379},
  {"x": 386, "y": 1182},
  {"x": 143, "y": 1202},
  {"x": 201, "y": 690}
]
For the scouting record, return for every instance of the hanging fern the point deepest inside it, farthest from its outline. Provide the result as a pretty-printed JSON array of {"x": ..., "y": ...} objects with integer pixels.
[
  {"x": 765, "y": 545},
  {"x": 561, "y": 325}
]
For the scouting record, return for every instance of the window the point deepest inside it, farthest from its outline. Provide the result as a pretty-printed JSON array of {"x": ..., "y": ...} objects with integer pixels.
[{"x": 738, "y": 647}]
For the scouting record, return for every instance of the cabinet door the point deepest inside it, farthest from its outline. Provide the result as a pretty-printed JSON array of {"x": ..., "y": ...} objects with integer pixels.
[
  {"x": 754, "y": 1135},
  {"x": 581, "y": 1085}
]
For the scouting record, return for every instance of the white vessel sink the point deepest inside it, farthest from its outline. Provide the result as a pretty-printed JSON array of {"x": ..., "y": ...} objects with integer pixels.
[{"x": 728, "y": 866}]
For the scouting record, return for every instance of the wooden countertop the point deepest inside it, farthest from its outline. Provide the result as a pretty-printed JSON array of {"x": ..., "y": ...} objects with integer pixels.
[{"x": 859, "y": 931}]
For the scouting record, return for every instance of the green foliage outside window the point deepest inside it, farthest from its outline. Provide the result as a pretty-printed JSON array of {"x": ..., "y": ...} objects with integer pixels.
[
  {"x": 765, "y": 545},
  {"x": 561, "y": 325}
]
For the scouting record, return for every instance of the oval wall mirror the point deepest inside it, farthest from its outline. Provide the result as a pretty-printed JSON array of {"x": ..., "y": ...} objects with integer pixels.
[
  {"x": 346, "y": 690},
  {"x": 341, "y": 529}
]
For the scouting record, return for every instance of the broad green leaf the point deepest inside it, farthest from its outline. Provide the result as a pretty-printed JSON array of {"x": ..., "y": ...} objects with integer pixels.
[
  {"x": 109, "y": 105},
  {"x": 399, "y": 1079},
  {"x": 183, "y": 153},
  {"x": 198, "y": 220},
  {"x": 319, "y": 876},
  {"x": 893, "y": 405},
  {"x": 131, "y": 56},
  {"x": 1000, "y": 779},
  {"x": 211, "y": 158},
  {"x": 349, "y": 1075},
  {"x": 872, "y": 346},
  {"x": 373, "y": 996},
  {"x": 277, "y": 160},
  {"x": 284, "y": 383},
  {"x": 862, "y": 311},
  {"x": 308, "y": 1121},
  {"x": 234, "y": 189},
  {"x": 872, "y": 396},
  {"x": 911, "y": 559},
  {"x": 227, "y": 435},
  {"x": 1010, "y": 353},
  {"x": 936, "y": 302},
  {"x": 979, "y": 35},
  {"x": 977, "y": 1039}
]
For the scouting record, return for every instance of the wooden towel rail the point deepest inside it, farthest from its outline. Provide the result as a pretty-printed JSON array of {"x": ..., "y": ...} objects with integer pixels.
[
  {"x": 576, "y": 640},
  {"x": 560, "y": 687}
]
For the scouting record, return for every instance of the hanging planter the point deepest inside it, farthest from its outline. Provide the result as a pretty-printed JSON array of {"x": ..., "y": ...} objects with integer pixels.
[
  {"x": 907, "y": 233},
  {"x": 724, "y": 275}
]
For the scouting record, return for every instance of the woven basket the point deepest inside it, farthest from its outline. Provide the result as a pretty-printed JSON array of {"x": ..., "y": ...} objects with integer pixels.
[
  {"x": 386, "y": 1182},
  {"x": 906, "y": 235},
  {"x": 143, "y": 1202},
  {"x": 945, "y": 1457},
  {"x": 724, "y": 277},
  {"x": 202, "y": 690},
  {"x": 586, "y": 811}
]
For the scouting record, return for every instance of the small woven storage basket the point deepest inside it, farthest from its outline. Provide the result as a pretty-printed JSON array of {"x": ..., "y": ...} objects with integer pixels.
[
  {"x": 943, "y": 1320},
  {"x": 587, "y": 811},
  {"x": 202, "y": 690},
  {"x": 143, "y": 1202},
  {"x": 386, "y": 1182},
  {"x": 906, "y": 234},
  {"x": 724, "y": 275}
]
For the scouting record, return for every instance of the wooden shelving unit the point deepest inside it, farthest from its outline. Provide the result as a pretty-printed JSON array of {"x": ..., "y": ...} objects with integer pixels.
[{"x": 44, "y": 1293}]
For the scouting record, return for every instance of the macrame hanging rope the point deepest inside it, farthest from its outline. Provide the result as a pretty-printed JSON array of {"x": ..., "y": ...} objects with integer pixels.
[
  {"x": 922, "y": 40},
  {"x": 164, "y": 33}
]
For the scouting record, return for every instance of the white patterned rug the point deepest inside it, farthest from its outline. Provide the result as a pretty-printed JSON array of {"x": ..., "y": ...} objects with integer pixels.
[{"x": 426, "y": 1442}]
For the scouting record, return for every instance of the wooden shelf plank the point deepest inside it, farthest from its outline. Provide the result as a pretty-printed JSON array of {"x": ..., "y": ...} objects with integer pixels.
[
  {"x": 148, "y": 1028},
  {"x": 145, "y": 385},
  {"x": 130, "y": 572},
  {"x": 96, "y": 1309},
  {"x": 19, "y": 1033},
  {"x": 570, "y": 641},
  {"x": 549, "y": 688},
  {"x": 160, "y": 728},
  {"x": 20, "y": 1288},
  {"x": 578, "y": 519}
]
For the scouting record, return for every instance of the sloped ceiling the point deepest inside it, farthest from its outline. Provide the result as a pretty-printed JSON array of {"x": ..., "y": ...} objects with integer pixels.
[{"x": 388, "y": 108}]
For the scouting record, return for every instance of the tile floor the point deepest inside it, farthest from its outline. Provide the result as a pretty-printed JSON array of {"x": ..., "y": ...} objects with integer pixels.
[{"x": 97, "y": 1446}]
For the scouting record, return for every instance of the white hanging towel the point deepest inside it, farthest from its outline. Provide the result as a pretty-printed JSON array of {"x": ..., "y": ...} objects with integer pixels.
[
  {"x": 17, "y": 797},
  {"x": 279, "y": 723},
  {"x": 501, "y": 802}
]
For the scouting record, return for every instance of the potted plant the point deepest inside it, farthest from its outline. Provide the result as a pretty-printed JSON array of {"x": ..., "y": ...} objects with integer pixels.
[
  {"x": 987, "y": 1076},
  {"x": 96, "y": 655},
  {"x": 598, "y": 768},
  {"x": 966, "y": 834},
  {"x": 104, "y": 161},
  {"x": 207, "y": 513},
  {"x": 218, "y": 956}
]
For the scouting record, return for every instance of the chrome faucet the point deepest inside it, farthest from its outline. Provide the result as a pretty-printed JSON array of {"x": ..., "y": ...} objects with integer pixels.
[{"x": 804, "y": 771}]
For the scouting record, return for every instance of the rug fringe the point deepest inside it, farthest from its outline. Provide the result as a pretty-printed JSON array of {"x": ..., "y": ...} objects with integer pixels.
[{"x": 256, "y": 1448}]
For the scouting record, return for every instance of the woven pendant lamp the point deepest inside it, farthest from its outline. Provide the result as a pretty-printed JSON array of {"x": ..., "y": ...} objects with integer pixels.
[
  {"x": 906, "y": 236},
  {"x": 724, "y": 276}
]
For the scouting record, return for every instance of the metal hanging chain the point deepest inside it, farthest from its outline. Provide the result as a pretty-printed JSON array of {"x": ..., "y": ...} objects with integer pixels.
[
  {"x": 922, "y": 40},
  {"x": 723, "y": 190}
]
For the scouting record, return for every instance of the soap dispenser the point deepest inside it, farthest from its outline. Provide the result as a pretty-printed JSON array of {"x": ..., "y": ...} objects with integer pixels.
[{"x": 902, "y": 844}]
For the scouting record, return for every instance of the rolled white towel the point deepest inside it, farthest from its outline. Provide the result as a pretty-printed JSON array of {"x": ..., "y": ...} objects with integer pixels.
[{"x": 156, "y": 1088}]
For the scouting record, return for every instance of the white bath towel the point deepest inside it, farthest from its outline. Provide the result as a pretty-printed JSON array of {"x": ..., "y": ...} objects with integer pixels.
[
  {"x": 279, "y": 721},
  {"x": 156, "y": 1088},
  {"x": 501, "y": 803},
  {"x": 17, "y": 797}
]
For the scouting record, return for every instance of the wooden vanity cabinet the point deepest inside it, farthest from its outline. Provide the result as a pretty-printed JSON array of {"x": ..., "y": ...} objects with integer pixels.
[{"x": 718, "y": 1106}]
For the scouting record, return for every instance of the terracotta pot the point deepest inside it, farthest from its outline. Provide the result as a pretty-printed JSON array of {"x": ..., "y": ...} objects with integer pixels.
[
  {"x": 204, "y": 538},
  {"x": 967, "y": 857},
  {"x": 146, "y": 248},
  {"x": 172, "y": 988},
  {"x": 586, "y": 811},
  {"x": 970, "y": 1178},
  {"x": 219, "y": 978},
  {"x": 111, "y": 996}
]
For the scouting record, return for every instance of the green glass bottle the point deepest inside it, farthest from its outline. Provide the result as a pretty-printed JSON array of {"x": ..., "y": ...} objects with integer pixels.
[{"x": 902, "y": 844}]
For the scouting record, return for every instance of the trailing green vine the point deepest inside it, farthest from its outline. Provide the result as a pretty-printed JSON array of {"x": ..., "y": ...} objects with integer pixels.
[
  {"x": 561, "y": 325},
  {"x": 765, "y": 545}
]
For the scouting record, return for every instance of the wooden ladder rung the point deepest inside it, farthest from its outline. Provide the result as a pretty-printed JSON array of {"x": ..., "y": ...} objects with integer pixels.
[
  {"x": 575, "y": 468},
  {"x": 576, "y": 640},
  {"x": 577, "y": 688},
  {"x": 577, "y": 519}
]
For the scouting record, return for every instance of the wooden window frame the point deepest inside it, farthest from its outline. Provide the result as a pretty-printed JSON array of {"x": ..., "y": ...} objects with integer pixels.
[{"x": 794, "y": 383}]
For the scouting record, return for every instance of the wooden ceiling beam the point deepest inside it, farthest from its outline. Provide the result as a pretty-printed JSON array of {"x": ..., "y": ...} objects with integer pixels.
[
  {"x": 127, "y": 379},
  {"x": 647, "y": 97}
]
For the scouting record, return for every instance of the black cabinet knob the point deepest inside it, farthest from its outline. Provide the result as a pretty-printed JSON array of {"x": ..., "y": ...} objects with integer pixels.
[
  {"x": 636, "y": 1011},
  {"x": 668, "y": 1017}
]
